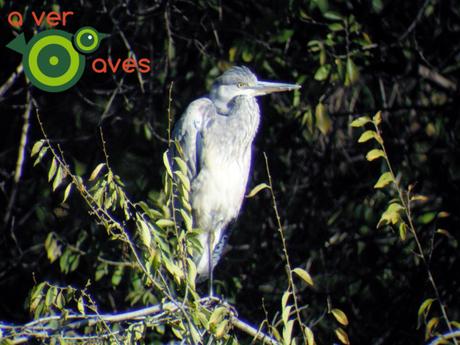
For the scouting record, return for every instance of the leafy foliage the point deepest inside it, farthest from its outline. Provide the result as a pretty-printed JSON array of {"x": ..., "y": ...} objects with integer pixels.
[{"x": 89, "y": 225}]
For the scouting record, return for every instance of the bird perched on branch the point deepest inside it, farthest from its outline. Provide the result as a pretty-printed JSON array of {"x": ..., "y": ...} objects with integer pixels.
[{"x": 216, "y": 134}]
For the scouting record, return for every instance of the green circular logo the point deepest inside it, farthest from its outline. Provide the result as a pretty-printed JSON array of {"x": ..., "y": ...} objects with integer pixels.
[
  {"x": 87, "y": 40},
  {"x": 51, "y": 62}
]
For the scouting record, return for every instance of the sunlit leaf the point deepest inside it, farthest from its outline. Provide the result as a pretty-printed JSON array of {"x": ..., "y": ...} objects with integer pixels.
[
  {"x": 340, "y": 316},
  {"x": 367, "y": 135},
  {"x": 67, "y": 192},
  {"x": 322, "y": 72},
  {"x": 377, "y": 119},
  {"x": 81, "y": 305},
  {"x": 257, "y": 189},
  {"x": 352, "y": 73},
  {"x": 309, "y": 336},
  {"x": 374, "y": 154},
  {"x": 403, "y": 231},
  {"x": 96, "y": 171},
  {"x": 304, "y": 275},
  {"x": 360, "y": 121},
  {"x": 342, "y": 336},
  {"x": 323, "y": 121},
  {"x": 166, "y": 163},
  {"x": 53, "y": 169},
  {"x": 384, "y": 180},
  {"x": 37, "y": 147}
]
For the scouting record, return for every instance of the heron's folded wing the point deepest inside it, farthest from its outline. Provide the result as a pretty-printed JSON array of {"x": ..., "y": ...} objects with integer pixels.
[{"x": 189, "y": 130}]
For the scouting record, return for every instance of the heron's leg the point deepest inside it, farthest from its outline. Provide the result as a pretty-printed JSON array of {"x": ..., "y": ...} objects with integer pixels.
[{"x": 210, "y": 266}]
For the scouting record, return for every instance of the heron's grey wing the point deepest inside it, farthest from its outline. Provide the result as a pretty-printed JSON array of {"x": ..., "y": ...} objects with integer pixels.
[{"x": 189, "y": 131}]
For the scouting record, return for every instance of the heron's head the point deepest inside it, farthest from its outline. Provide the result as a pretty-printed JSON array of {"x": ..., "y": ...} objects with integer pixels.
[{"x": 238, "y": 81}]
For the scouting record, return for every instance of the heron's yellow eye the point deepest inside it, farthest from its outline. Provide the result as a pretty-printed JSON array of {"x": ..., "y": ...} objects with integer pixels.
[{"x": 241, "y": 84}]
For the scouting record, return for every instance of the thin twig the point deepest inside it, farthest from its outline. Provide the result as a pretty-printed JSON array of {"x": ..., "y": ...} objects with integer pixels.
[
  {"x": 286, "y": 255},
  {"x": 20, "y": 159}
]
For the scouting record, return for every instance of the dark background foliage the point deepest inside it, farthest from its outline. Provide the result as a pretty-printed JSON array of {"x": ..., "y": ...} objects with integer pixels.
[{"x": 373, "y": 53}]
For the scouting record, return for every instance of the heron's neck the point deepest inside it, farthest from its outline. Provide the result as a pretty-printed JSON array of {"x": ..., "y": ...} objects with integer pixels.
[{"x": 221, "y": 104}]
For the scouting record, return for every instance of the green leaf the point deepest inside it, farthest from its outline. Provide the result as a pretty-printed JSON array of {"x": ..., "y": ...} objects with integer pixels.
[
  {"x": 166, "y": 163},
  {"x": 304, "y": 275},
  {"x": 67, "y": 192},
  {"x": 96, "y": 171},
  {"x": 53, "y": 169},
  {"x": 426, "y": 217},
  {"x": 322, "y": 73},
  {"x": 217, "y": 316},
  {"x": 368, "y": 135},
  {"x": 352, "y": 73},
  {"x": 285, "y": 298},
  {"x": 257, "y": 189},
  {"x": 187, "y": 220},
  {"x": 374, "y": 154},
  {"x": 162, "y": 223},
  {"x": 309, "y": 336},
  {"x": 424, "y": 308},
  {"x": 42, "y": 153},
  {"x": 117, "y": 275},
  {"x": 81, "y": 305},
  {"x": 340, "y": 316},
  {"x": 377, "y": 119},
  {"x": 342, "y": 336},
  {"x": 146, "y": 236},
  {"x": 384, "y": 180},
  {"x": 58, "y": 178},
  {"x": 392, "y": 215},
  {"x": 222, "y": 329},
  {"x": 403, "y": 231},
  {"x": 360, "y": 121},
  {"x": 50, "y": 296},
  {"x": 333, "y": 15},
  {"x": 323, "y": 121},
  {"x": 37, "y": 147}
]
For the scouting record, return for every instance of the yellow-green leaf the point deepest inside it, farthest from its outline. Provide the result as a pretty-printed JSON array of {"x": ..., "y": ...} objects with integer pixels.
[
  {"x": 222, "y": 329},
  {"x": 377, "y": 119},
  {"x": 53, "y": 168},
  {"x": 309, "y": 336},
  {"x": 162, "y": 223},
  {"x": 304, "y": 275},
  {"x": 430, "y": 327},
  {"x": 360, "y": 121},
  {"x": 340, "y": 316},
  {"x": 81, "y": 305},
  {"x": 217, "y": 315},
  {"x": 146, "y": 236},
  {"x": 368, "y": 135},
  {"x": 96, "y": 171},
  {"x": 425, "y": 307},
  {"x": 58, "y": 178},
  {"x": 403, "y": 231},
  {"x": 323, "y": 121},
  {"x": 67, "y": 192},
  {"x": 342, "y": 336},
  {"x": 384, "y": 180},
  {"x": 352, "y": 73},
  {"x": 374, "y": 154},
  {"x": 37, "y": 147},
  {"x": 166, "y": 163},
  {"x": 257, "y": 189}
]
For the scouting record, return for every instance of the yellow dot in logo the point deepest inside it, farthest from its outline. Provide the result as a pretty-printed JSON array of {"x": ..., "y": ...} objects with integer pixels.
[{"x": 54, "y": 60}]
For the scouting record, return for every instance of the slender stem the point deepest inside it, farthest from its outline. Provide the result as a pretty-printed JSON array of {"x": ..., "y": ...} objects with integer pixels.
[
  {"x": 406, "y": 205},
  {"x": 281, "y": 232}
]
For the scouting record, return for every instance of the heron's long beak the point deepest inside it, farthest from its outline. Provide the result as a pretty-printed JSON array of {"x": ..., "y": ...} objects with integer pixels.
[{"x": 266, "y": 87}]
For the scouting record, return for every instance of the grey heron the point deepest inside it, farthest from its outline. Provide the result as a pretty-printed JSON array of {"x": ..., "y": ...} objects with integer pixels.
[{"x": 216, "y": 134}]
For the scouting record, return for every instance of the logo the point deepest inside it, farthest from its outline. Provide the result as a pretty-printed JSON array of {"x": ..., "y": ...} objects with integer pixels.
[{"x": 53, "y": 60}]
